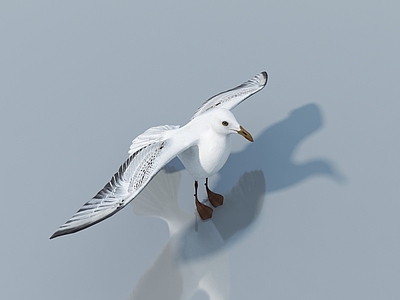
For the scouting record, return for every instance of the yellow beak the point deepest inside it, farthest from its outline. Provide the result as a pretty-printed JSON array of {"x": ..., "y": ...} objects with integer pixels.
[{"x": 243, "y": 132}]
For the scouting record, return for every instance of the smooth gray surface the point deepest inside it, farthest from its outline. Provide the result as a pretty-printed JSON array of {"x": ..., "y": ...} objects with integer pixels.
[{"x": 81, "y": 79}]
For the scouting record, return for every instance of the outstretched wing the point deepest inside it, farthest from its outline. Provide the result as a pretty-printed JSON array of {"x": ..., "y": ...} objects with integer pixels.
[
  {"x": 231, "y": 98},
  {"x": 124, "y": 186}
]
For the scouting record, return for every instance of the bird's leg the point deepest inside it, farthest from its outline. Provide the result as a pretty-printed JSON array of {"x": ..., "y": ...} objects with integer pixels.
[
  {"x": 205, "y": 212},
  {"x": 215, "y": 199}
]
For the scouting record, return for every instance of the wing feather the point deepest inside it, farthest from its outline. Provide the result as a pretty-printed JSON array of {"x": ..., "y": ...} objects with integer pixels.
[
  {"x": 231, "y": 98},
  {"x": 151, "y": 135},
  {"x": 133, "y": 175}
]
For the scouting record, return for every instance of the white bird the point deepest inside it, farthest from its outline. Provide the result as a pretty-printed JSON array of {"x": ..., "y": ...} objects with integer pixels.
[{"x": 203, "y": 146}]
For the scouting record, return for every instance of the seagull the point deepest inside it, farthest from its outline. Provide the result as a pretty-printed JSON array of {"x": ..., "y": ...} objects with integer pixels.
[{"x": 203, "y": 145}]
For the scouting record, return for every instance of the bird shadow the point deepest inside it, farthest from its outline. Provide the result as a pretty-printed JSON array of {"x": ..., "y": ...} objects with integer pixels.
[
  {"x": 274, "y": 149},
  {"x": 192, "y": 260}
]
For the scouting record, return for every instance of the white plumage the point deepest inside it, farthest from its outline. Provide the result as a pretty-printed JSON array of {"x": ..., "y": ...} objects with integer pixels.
[{"x": 203, "y": 146}]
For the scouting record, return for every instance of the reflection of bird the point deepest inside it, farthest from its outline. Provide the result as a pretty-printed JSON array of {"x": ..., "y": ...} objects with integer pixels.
[
  {"x": 174, "y": 274},
  {"x": 194, "y": 257},
  {"x": 203, "y": 146}
]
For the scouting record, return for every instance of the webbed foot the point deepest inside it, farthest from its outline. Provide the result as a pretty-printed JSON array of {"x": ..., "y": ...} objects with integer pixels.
[{"x": 214, "y": 198}]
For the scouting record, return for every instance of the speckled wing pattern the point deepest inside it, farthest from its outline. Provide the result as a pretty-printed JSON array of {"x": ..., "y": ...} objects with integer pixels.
[
  {"x": 231, "y": 98},
  {"x": 133, "y": 175}
]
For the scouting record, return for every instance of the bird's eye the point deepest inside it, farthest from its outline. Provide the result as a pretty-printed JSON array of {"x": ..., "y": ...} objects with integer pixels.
[{"x": 225, "y": 123}]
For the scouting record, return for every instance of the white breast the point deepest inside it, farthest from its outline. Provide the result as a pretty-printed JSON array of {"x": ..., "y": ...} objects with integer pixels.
[{"x": 208, "y": 156}]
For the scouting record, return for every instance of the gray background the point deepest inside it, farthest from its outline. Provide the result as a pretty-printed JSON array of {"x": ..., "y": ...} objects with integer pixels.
[{"x": 319, "y": 220}]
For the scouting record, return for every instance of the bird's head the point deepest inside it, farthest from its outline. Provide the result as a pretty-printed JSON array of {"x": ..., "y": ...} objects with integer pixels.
[{"x": 224, "y": 122}]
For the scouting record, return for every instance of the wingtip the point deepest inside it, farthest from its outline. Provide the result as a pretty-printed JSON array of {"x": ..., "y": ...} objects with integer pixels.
[
  {"x": 55, "y": 234},
  {"x": 61, "y": 232},
  {"x": 260, "y": 79},
  {"x": 64, "y": 231},
  {"x": 265, "y": 78}
]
